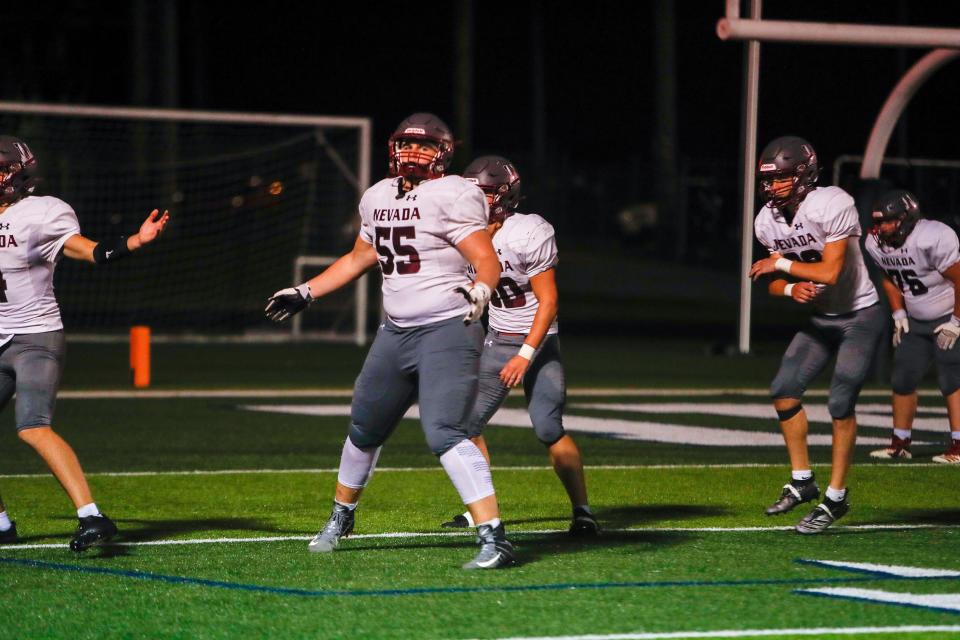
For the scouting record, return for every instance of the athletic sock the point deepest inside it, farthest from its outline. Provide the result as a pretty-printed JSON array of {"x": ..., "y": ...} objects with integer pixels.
[
  {"x": 493, "y": 523},
  {"x": 470, "y": 522},
  {"x": 955, "y": 435},
  {"x": 903, "y": 434},
  {"x": 583, "y": 507},
  {"x": 803, "y": 475},
  {"x": 836, "y": 495},
  {"x": 88, "y": 510},
  {"x": 5, "y": 523},
  {"x": 351, "y": 506}
]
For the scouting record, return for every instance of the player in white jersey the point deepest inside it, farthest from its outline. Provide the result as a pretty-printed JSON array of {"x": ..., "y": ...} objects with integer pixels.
[
  {"x": 34, "y": 233},
  {"x": 423, "y": 228},
  {"x": 921, "y": 261},
  {"x": 813, "y": 236},
  {"x": 522, "y": 344}
]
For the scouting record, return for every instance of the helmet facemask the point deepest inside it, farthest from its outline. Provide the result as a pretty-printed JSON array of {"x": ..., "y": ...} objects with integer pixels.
[
  {"x": 788, "y": 172},
  {"x": 500, "y": 182},
  {"x": 17, "y": 170},
  {"x": 900, "y": 207}
]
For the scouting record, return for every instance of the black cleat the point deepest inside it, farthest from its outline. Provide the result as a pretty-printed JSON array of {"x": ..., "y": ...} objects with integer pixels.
[
  {"x": 584, "y": 524},
  {"x": 92, "y": 531},
  {"x": 458, "y": 521},
  {"x": 793, "y": 494},
  {"x": 496, "y": 551},
  {"x": 823, "y": 515},
  {"x": 10, "y": 535}
]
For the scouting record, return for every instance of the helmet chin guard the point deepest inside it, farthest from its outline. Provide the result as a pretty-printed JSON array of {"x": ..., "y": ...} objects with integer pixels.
[{"x": 421, "y": 127}]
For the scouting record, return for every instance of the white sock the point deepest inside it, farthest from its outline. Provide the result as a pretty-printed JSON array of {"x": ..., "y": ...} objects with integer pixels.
[
  {"x": 468, "y": 471},
  {"x": 351, "y": 506},
  {"x": 903, "y": 434},
  {"x": 88, "y": 510},
  {"x": 836, "y": 494},
  {"x": 955, "y": 435},
  {"x": 802, "y": 474},
  {"x": 5, "y": 523},
  {"x": 493, "y": 523},
  {"x": 357, "y": 465},
  {"x": 470, "y": 522}
]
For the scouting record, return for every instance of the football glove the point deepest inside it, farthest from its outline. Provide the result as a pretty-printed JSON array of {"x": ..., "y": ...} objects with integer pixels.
[
  {"x": 900, "y": 326},
  {"x": 478, "y": 295},
  {"x": 947, "y": 333},
  {"x": 288, "y": 302}
]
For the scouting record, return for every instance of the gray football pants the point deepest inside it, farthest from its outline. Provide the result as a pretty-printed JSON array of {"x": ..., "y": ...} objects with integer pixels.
[
  {"x": 852, "y": 337},
  {"x": 31, "y": 365},
  {"x": 917, "y": 350},
  {"x": 544, "y": 386},
  {"x": 435, "y": 365}
]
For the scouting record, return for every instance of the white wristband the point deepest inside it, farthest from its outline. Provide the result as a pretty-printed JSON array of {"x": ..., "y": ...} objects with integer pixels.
[
  {"x": 526, "y": 352},
  {"x": 787, "y": 290},
  {"x": 782, "y": 264}
]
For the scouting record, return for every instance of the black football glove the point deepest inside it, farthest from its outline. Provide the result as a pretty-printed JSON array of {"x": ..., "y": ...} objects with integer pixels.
[{"x": 288, "y": 302}]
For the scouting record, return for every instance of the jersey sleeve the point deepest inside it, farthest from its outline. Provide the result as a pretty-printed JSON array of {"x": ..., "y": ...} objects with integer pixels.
[
  {"x": 763, "y": 236},
  {"x": 541, "y": 251},
  {"x": 944, "y": 251},
  {"x": 366, "y": 226},
  {"x": 841, "y": 219},
  {"x": 59, "y": 224},
  {"x": 466, "y": 214}
]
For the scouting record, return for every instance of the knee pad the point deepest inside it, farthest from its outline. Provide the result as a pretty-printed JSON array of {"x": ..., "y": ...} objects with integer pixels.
[
  {"x": 842, "y": 405},
  {"x": 549, "y": 434},
  {"x": 363, "y": 439},
  {"x": 785, "y": 388},
  {"x": 786, "y": 414}
]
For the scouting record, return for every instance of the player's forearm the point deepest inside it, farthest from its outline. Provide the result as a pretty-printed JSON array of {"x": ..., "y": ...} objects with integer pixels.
[
  {"x": 893, "y": 295},
  {"x": 546, "y": 313},
  {"x": 342, "y": 272},
  {"x": 777, "y": 287},
  {"x": 819, "y": 272},
  {"x": 488, "y": 271}
]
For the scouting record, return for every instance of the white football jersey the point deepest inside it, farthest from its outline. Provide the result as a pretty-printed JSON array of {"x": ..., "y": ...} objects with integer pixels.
[
  {"x": 416, "y": 236},
  {"x": 916, "y": 268},
  {"x": 32, "y": 234},
  {"x": 526, "y": 246},
  {"x": 827, "y": 214}
]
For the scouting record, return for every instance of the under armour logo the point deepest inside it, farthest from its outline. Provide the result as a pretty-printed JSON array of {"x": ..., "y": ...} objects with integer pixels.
[
  {"x": 413, "y": 197},
  {"x": 499, "y": 252},
  {"x": 383, "y": 326},
  {"x": 107, "y": 254},
  {"x": 798, "y": 226},
  {"x": 488, "y": 343},
  {"x": 5, "y": 226}
]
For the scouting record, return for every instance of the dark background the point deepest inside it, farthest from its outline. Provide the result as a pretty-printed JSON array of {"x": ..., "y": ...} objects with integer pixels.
[{"x": 603, "y": 108}]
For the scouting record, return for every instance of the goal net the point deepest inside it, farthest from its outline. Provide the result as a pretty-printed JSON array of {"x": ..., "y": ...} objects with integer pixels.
[{"x": 248, "y": 195}]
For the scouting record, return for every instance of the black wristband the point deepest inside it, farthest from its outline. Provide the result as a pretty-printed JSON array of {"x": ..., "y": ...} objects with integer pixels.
[{"x": 110, "y": 250}]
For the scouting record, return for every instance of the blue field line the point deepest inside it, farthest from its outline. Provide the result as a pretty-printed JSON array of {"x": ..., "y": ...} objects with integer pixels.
[{"x": 414, "y": 591}]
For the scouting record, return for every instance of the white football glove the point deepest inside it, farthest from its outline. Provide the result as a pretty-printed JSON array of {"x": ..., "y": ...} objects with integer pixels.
[
  {"x": 288, "y": 302},
  {"x": 478, "y": 295},
  {"x": 900, "y": 326},
  {"x": 947, "y": 333}
]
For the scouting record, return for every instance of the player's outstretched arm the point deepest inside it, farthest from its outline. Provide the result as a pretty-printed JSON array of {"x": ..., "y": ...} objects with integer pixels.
[
  {"x": 79, "y": 247},
  {"x": 287, "y": 302},
  {"x": 827, "y": 271},
  {"x": 478, "y": 250},
  {"x": 544, "y": 286}
]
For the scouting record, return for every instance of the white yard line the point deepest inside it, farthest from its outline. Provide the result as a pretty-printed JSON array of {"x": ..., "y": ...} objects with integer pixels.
[
  {"x": 751, "y": 633},
  {"x": 589, "y": 467},
  {"x": 451, "y": 534}
]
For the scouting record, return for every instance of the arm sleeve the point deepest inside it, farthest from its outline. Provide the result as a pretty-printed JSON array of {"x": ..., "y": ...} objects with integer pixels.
[
  {"x": 842, "y": 219},
  {"x": 541, "y": 252},
  {"x": 59, "y": 225},
  {"x": 945, "y": 250},
  {"x": 466, "y": 214}
]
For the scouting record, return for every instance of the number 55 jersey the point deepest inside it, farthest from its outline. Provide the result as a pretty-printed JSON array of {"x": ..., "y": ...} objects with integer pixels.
[
  {"x": 827, "y": 214},
  {"x": 415, "y": 234},
  {"x": 917, "y": 265}
]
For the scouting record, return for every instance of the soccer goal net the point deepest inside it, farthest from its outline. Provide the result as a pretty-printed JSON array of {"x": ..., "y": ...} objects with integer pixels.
[{"x": 253, "y": 198}]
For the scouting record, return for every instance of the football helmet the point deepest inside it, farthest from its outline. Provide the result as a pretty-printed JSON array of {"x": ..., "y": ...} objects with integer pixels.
[
  {"x": 421, "y": 127},
  {"x": 498, "y": 178},
  {"x": 898, "y": 206},
  {"x": 18, "y": 168},
  {"x": 788, "y": 170}
]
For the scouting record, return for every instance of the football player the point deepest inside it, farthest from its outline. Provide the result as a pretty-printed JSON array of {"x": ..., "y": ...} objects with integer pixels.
[
  {"x": 812, "y": 234},
  {"x": 522, "y": 343},
  {"x": 39, "y": 230},
  {"x": 921, "y": 261},
  {"x": 422, "y": 227}
]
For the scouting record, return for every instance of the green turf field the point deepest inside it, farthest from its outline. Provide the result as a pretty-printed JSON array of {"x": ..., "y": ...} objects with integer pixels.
[{"x": 216, "y": 498}]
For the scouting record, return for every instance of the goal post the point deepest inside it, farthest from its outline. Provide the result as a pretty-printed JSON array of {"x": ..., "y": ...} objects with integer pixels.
[{"x": 249, "y": 195}]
